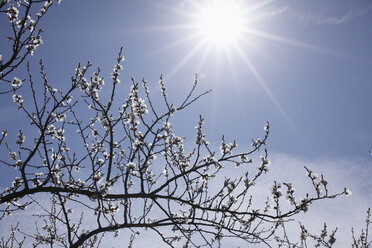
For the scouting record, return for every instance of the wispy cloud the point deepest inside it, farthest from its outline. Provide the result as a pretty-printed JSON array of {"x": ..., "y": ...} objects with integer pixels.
[
  {"x": 335, "y": 20},
  {"x": 340, "y": 212},
  {"x": 269, "y": 13},
  {"x": 276, "y": 11}
]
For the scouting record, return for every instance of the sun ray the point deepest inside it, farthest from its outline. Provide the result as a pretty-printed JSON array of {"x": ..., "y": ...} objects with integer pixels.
[
  {"x": 259, "y": 5},
  {"x": 292, "y": 42},
  {"x": 234, "y": 80},
  {"x": 270, "y": 94},
  {"x": 262, "y": 52},
  {"x": 176, "y": 27},
  {"x": 188, "y": 56},
  {"x": 223, "y": 25},
  {"x": 175, "y": 44},
  {"x": 220, "y": 24},
  {"x": 196, "y": 5},
  {"x": 203, "y": 58},
  {"x": 231, "y": 65}
]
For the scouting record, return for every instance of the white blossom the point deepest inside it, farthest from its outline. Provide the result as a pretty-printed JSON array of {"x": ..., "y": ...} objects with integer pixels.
[
  {"x": 32, "y": 25},
  {"x": 16, "y": 82},
  {"x": 60, "y": 117},
  {"x": 276, "y": 191},
  {"x": 267, "y": 126},
  {"x": 162, "y": 87},
  {"x": 21, "y": 138},
  {"x": 97, "y": 177},
  {"x": 17, "y": 182},
  {"x": 18, "y": 99},
  {"x": 248, "y": 182},
  {"x": 264, "y": 164},
  {"x": 111, "y": 208},
  {"x": 18, "y": 163},
  {"x": 347, "y": 192},
  {"x": 12, "y": 13},
  {"x": 165, "y": 172},
  {"x": 35, "y": 42},
  {"x": 13, "y": 155},
  {"x": 304, "y": 204},
  {"x": 131, "y": 166}
]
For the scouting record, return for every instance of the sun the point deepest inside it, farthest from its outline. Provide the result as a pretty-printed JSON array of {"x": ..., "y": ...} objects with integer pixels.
[
  {"x": 224, "y": 29},
  {"x": 221, "y": 22}
]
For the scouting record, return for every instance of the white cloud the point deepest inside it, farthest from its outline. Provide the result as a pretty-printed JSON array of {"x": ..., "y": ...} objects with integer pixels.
[
  {"x": 335, "y": 20},
  {"x": 341, "y": 212},
  {"x": 269, "y": 13}
]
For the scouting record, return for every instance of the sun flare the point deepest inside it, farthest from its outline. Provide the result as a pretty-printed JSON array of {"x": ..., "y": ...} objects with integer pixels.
[
  {"x": 221, "y": 22},
  {"x": 228, "y": 30}
]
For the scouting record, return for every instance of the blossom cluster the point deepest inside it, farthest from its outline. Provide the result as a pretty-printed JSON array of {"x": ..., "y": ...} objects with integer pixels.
[
  {"x": 162, "y": 87},
  {"x": 56, "y": 133},
  {"x": 12, "y": 13},
  {"x": 200, "y": 138},
  {"x": 264, "y": 164},
  {"x": 21, "y": 138},
  {"x": 16, "y": 82},
  {"x": 18, "y": 100},
  {"x": 137, "y": 108},
  {"x": 227, "y": 148},
  {"x": 130, "y": 163},
  {"x": 35, "y": 42}
]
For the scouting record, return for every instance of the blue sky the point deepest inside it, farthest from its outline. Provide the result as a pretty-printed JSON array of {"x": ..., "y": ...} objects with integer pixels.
[
  {"x": 306, "y": 68},
  {"x": 321, "y": 80}
]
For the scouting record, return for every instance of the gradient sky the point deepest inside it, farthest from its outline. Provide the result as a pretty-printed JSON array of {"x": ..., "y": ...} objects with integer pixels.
[
  {"x": 316, "y": 63},
  {"x": 306, "y": 68}
]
